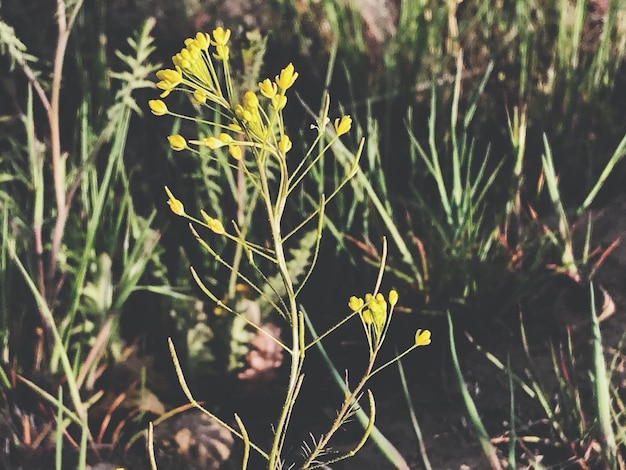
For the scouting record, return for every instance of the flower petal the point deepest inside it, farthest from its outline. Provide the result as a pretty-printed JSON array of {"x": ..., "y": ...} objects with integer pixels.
[{"x": 422, "y": 337}]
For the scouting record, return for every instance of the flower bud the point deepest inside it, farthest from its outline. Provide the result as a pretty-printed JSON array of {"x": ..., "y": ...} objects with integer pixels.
[
  {"x": 177, "y": 142},
  {"x": 158, "y": 107}
]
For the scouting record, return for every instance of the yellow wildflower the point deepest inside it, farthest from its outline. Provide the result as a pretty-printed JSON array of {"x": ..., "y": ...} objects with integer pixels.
[
  {"x": 235, "y": 152},
  {"x": 158, "y": 107},
  {"x": 393, "y": 298},
  {"x": 169, "y": 79},
  {"x": 221, "y": 35},
  {"x": 175, "y": 205},
  {"x": 225, "y": 138},
  {"x": 212, "y": 142},
  {"x": 422, "y": 337},
  {"x": 203, "y": 40},
  {"x": 220, "y": 41},
  {"x": 356, "y": 303},
  {"x": 199, "y": 96},
  {"x": 366, "y": 315},
  {"x": 268, "y": 88},
  {"x": 170, "y": 76},
  {"x": 221, "y": 52},
  {"x": 242, "y": 113},
  {"x": 287, "y": 77},
  {"x": 378, "y": 307},
  {"x": 343, "y": 125},
  {"x": 233, "y": 126},
  {"x": 284, "y": 144},
  {"x": 250, "y": 101},
  {"x": 214, "y": 224},
  {"x": 177, "y": 142},
  {"x": 279, "y": 102}
]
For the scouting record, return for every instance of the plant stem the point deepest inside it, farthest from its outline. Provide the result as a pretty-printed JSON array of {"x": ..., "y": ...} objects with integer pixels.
[
  {"x": 58, "y": 163},
  {"x": 297, "y": 350}
]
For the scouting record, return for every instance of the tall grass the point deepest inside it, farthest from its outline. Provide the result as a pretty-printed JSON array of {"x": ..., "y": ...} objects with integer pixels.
[{"x": 72, "y": 239}]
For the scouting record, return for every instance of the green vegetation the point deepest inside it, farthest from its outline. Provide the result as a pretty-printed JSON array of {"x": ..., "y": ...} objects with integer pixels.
[{"x": 457, "y": 169}]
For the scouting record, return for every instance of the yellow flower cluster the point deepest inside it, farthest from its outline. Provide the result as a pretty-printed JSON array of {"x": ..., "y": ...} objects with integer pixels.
[
  {"x": 194, "y": 73},
  {"x": 194, "y": 70},
  {"x": 375, "y": 313},
  {"x": 255, "y": 121}
]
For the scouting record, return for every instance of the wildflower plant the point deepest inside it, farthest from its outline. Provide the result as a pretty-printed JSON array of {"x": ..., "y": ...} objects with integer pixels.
[{"x": 251, "y": 127}]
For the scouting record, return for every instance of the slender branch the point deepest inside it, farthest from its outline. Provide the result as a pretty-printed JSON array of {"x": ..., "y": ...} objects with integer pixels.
[{"x": 58, "y": 164}]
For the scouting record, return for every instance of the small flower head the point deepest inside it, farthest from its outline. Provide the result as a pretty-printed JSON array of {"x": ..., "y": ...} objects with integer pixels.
[
  {"x": 233, "y": 126},
  {"x": 220, "y": 40},
  {"x": 343, "y": 125},
  {"x": 242, "y": 113},
  {"x": 235, "y": 152},
  {"x": 287, "y": 77},
  {"x": 170, "y": 76},
  {"x": 422, "y": 337},
  {"x": 393, "y": 298},
  {"x": 177, "y": 142},
  {"x": 268, "y": 88},
  {"x": 203, "y": 40},
  {"x": 356, "y": 303},
  {"x": 158, "y": 107},
  {"x": 169, "y": 79},
  {"x": 214, "y": 224},
  {"x": 367, "y": 317},
  {"x": 225, "y": 138},
  {"x": 279, "y": 102},
  {"x": 284, "y": 144},
  {"x": 378, "y": 306},
  {"x": 175, "y": 205},
  {"x": 221, "y": 36},
  {"x": 222, "y": 52},
  {"x": 199, "y": 96},
  {"x": 250, "y": 101},
  {"x": 212, "y": 142}
]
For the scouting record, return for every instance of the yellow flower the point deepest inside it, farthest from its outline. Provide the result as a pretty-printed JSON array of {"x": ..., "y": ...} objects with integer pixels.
[
  {"x": 284, "y": 144},
  {"x": 233, "y": 126},
  {"x": 235, "y": 152},
  {"x": 199, "y": 96},
  {"x": 378, "y": 307},
  {"x": 221, "y": 52},
  {"x": 158, "y": 107},
  {"x": 393, "y": 298},
  {"x": 279, "y": 102},
  {"x": 225, "y": 138},
  {"x": 366, "y": 315},
  {"x": 242, "y": 113},
  {"x": 250, "y": 101},
  {"x": 214, "y": 224},
  {"x": 287, "y": 77},
  {"x": 177, "y": 142},
  {"x": 422, "y": 337},
  {"x": 268, "y": 88},
  {"x": 170, "y": 79},
  {"x": 175, "y": 205},
  {"x": 203, "y": 40},
  {"x": 212, "y": 142},
  {"x": 342, "y": 126},
  {"x": 221, "y": 35},
  {"x": 356, "y": 303},
  {"x": 170, "y": 76}
]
